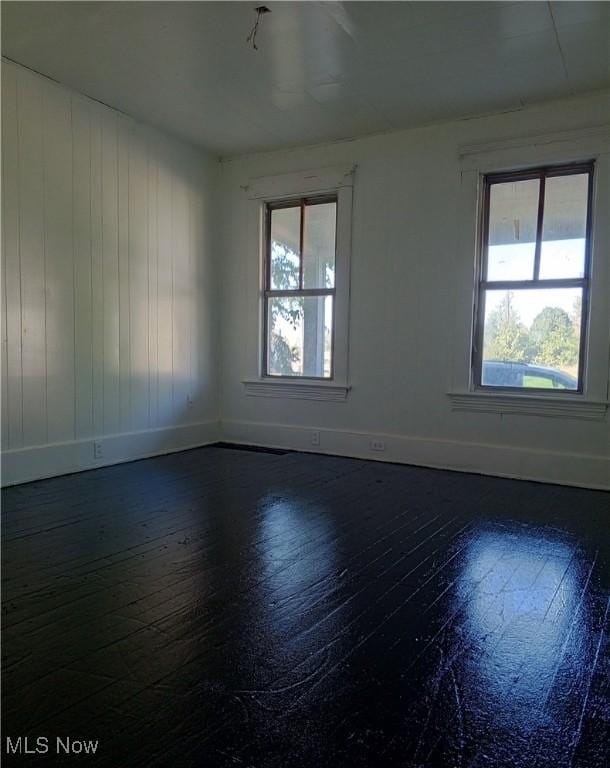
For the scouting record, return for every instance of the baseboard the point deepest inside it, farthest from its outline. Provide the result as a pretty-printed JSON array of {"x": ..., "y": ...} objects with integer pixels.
[
  {"x": 586, "y": 471},
  {"x": 502, "y": 461},
  {"x": 26, "y": 464}
]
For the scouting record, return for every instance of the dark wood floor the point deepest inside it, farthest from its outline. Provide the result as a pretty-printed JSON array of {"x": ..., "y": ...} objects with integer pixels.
[{"x": 220, "y": 607}]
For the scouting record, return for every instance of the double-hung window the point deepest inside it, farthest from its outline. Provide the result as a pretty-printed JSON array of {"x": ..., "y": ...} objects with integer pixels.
[
  {"x": 534, "y": 279},
  {"x": 299, "y": 292},
  {"x": 298, "y": 321}
]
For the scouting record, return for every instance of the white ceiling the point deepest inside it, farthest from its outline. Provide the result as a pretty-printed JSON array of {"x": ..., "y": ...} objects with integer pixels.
[{"x": 323, "y": 70}]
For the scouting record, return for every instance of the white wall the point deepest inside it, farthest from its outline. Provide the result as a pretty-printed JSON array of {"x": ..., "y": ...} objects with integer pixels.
[
  {"x": 108, "y": 284},
  {"x": 406, "y": 272},
  {"x": 120, "y": 302}
]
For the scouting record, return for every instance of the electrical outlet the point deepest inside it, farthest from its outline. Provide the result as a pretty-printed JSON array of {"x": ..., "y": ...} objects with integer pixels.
[
  {"x": 377, "y": 445},
  {"x": 98, "y": 451},
  {"x": 315, "y": 437}
]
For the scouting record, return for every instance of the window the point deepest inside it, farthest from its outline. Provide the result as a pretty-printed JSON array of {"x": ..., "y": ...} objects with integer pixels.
[
  {"x": 534, "y": 281},
  {"x": 300, "y": 232},
  {"x": 299, "y": 293}
]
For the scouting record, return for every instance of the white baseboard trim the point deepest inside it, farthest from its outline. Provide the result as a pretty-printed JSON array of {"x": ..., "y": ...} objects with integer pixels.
[
  {"x": 580, "y": 470},
  {"x": 37, "y": 462}
]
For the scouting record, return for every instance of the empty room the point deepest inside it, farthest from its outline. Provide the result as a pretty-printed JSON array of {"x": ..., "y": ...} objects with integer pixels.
[{"x": 305, "y": 384}]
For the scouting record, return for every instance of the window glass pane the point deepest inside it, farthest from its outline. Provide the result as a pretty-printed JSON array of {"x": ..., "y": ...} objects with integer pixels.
[
  {"x": 564, "y": 226},
  {"x": 300, "y": 336},
  {"x": 513, "y": 218},
  {"x": 285, "y": 248},
  {"x": 319, "y": 245},
  {"x": 532, "y": 338}
]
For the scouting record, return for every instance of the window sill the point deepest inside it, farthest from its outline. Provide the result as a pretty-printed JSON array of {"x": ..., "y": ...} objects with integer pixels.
[
  {"x": 298, "y": 390},
  {"x": 535, "y": 405}
]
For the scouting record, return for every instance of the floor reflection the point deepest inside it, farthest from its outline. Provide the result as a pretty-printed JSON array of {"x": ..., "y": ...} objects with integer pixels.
[
  {"x": 516, "y": 661},
  {"x": 520, "y": 617},
  {"x": 298, "y": 560}
]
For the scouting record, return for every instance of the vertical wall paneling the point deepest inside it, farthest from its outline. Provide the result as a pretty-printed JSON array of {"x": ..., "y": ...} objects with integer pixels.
[
  {"x": 12, "y": 423},
  {"x": 32, "y": 257},
  {"x": 110, "y": 260},
  {"x": 123, "y": 237},
  {"x": 3, "y": 383},
  {"x": 203, "y": 362},
  {"x": 153, "y": 274},
  {"x": 97, "y": 271},
  {"x": 59, "y": 271},
  {"x": 183, "y": 289},
  {"x": 194, "y": 277},
  {"x": 164, "y": 288},
  {"x": 4, "y": 363},
  {"x": 138, "y": 280},
  {"x": 83, "y": 263},
  {"x": 102, "y": 267}
]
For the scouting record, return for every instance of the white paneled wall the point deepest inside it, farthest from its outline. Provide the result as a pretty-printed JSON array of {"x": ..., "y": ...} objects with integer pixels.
[
  {"x": 107, "y": 276},
  {"x": 411, "y": 294},
  {"x": 115, "y": 293}
]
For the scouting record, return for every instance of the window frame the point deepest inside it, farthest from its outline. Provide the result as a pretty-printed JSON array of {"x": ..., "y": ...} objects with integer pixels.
[
  {"x": 536, "y": 283},
  {"x": 331, "y": 180},
  {"x": 269, "y": 293}
]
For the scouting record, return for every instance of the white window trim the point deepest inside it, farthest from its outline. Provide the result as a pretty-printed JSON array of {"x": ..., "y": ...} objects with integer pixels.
[
  {"x": 510, "y": 155},
  {"x": 299, "y": 390},
  {"x": 270, "y": 189},
  {"x": 537, "y": 405}
]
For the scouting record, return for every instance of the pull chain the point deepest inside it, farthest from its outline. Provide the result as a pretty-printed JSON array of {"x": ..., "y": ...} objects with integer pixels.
[{"x": 260, "y": 10}]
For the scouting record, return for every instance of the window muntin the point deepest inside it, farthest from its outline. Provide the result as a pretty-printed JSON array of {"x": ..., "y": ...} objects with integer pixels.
[
  {"x": 534, "y": 285},
  {"x": 299, "y": 293}
]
